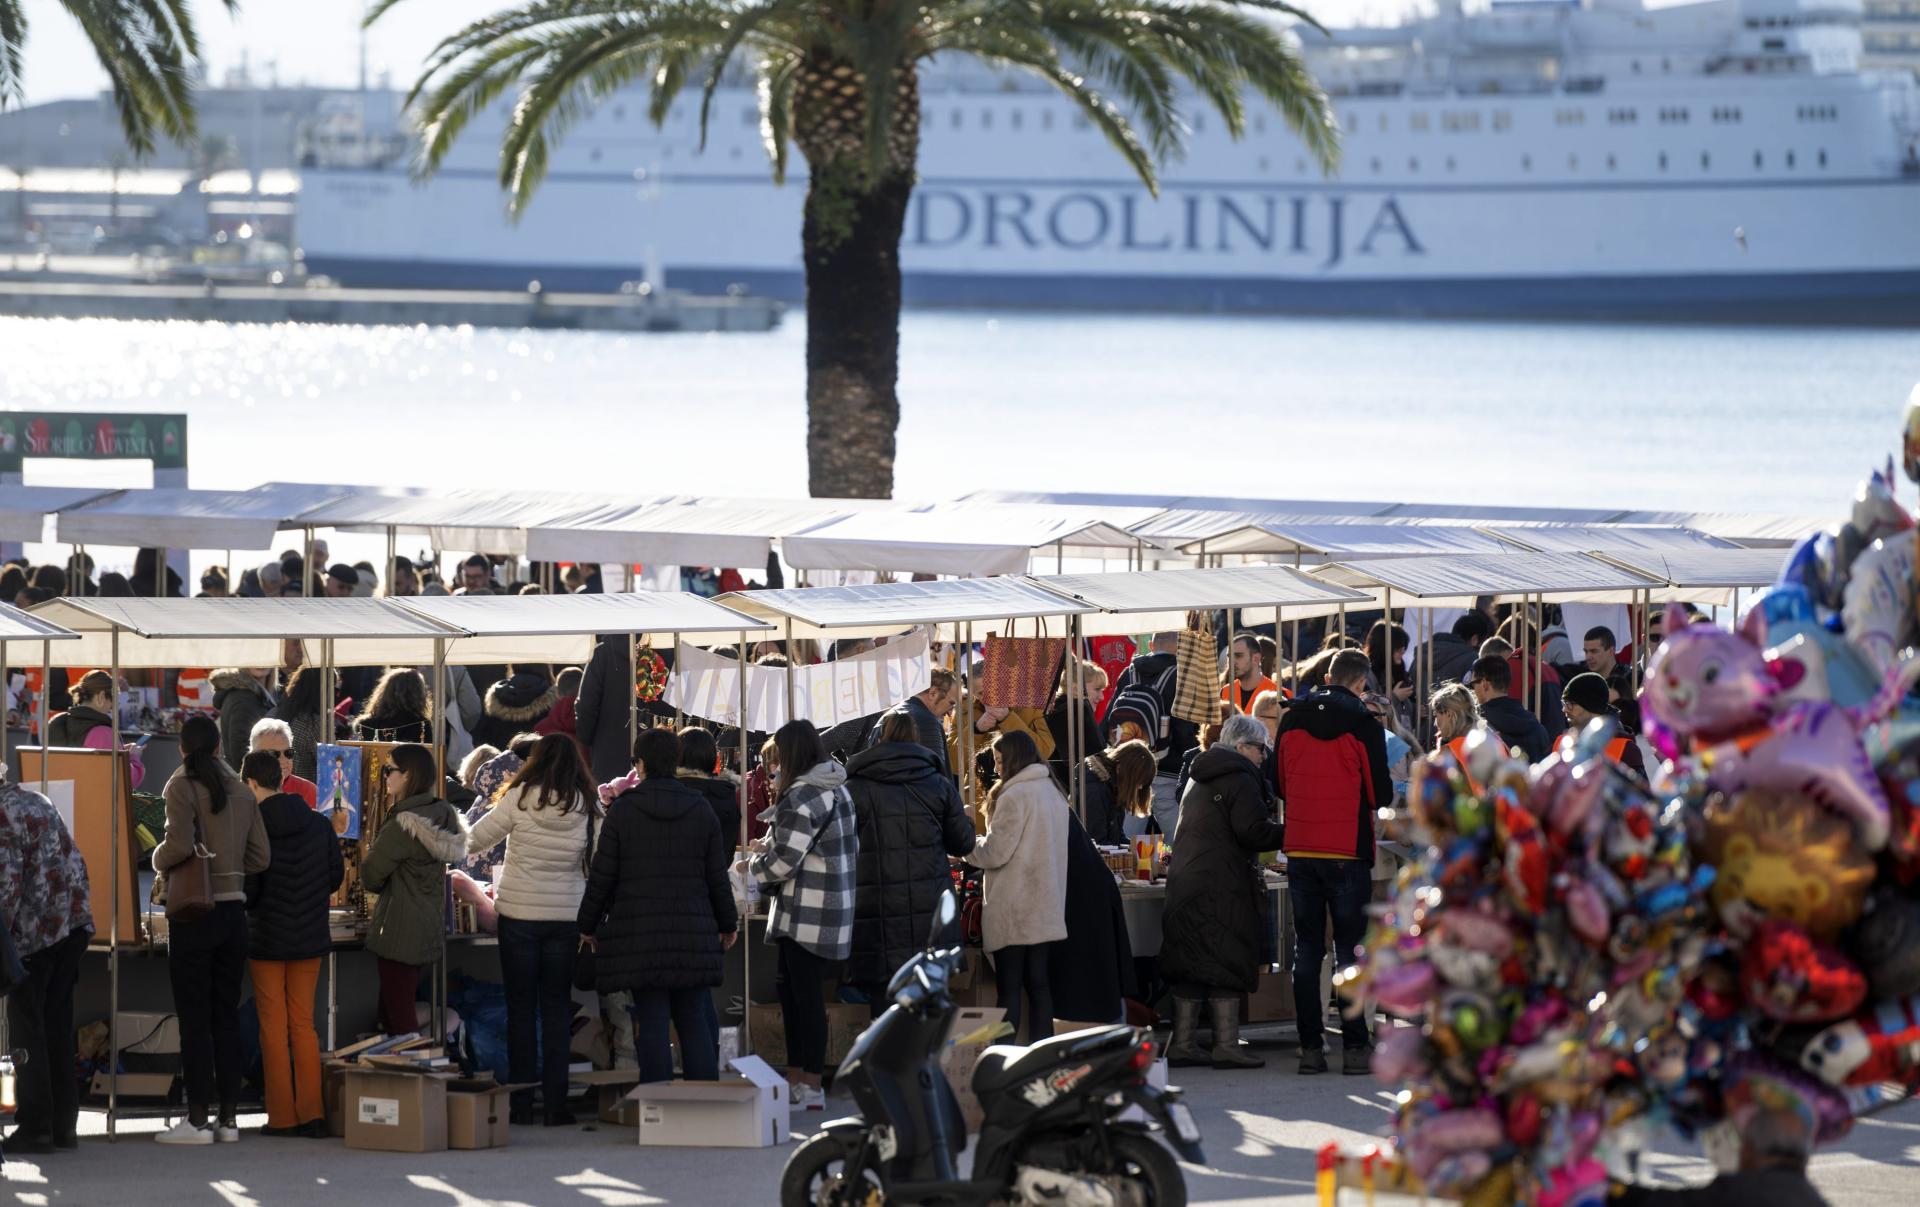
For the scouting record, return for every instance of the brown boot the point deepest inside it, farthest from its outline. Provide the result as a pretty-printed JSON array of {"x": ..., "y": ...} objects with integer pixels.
[
  {"x": 1227, "y": 1053},
  {"x": 1182, "y": 1052}
]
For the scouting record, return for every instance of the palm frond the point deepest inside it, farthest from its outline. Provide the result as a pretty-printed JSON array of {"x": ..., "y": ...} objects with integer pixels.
[
  {"x": 13, "y": 38},
  {"x": 777, "y": 73},
  {"x": 148, "y": 71},
  {"x": 739, "y": 29}
]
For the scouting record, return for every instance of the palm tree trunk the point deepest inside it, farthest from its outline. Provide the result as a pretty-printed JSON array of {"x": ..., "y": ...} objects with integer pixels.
[{"x": 850, "y": 242}]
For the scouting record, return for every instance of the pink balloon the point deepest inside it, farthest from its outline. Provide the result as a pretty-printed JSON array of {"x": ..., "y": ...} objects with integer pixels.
[
  {"x": 1706, "y": 683},
  {"x": 1406, "y": 988},
  {"x": 1399, "y": 1054},
  {"x": 1814, "y": 750},
  {"x": 1587, "y": 911}
]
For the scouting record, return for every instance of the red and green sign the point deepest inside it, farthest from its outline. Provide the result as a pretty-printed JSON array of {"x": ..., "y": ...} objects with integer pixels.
[{"x": 83, "y": 436}]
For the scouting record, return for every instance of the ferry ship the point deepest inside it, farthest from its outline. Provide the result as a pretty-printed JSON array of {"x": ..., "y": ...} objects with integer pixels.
[{"x": 1724, "y": 159}]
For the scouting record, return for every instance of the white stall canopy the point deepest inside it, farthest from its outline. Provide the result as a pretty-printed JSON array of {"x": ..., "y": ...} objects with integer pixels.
[
  {"x": 883, "y": 609},
  {"x": 1605, "y": 538},
  {"x": 975, "y": 543},
  {"x": 177, "y": 518},
  {"x": 1742, "y": 528},
  {"x": 1324, "y": 541},
  {"x": 560, "y": 629},
  {"x": 1456, "y": 582},
  {"x": 1333, "y": 507},
  {"x": 1182, "y": 527},
  {"x": 1159, "y": 600},
  {"x": 676, "y": 534},
  {"x": 1483, "y": 513},
  {"x": 487, "y": 521},
  {"x": 1705, "y": 576},
  {"x": 24, "y": 509},
  {"x": 16, "y": 625},
  {"x": 237, "y": 632}
]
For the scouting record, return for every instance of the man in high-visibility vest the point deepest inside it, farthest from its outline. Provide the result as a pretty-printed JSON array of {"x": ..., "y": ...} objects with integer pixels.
[{"x": 1586, "y": 699}]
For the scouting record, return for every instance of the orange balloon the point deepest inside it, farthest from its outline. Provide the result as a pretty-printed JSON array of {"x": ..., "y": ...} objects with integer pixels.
[{"x": 1781, "y": 855}]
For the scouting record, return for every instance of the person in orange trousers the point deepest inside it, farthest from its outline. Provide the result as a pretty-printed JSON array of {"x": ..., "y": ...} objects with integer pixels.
[{"x": 287, "y": 935}]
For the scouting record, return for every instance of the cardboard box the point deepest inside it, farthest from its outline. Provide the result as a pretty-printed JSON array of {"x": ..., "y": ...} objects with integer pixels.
[
  {"x": 617, "y": 1108},
  {"x": 962, "y": 1052},
  {"x": 477, "y": 1112},
  {"x": 845, "y": 1022},
  {"x": 148, "y": 1034},
  {"x": 333, "y": 1094},
  {"x": 396, "y": 1112},
  {"x": 135, "y": 1085},
  {"x": 748, "y": 1111},
  {"x": 1272, "y": 999}
]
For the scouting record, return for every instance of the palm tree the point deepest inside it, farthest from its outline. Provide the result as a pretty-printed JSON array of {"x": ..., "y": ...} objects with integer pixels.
[
  {"x": 150, "y": 53},
  {"x": 839, "y": 79}
]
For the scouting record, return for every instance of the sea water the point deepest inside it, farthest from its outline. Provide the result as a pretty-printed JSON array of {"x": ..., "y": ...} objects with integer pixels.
[{"x": 1613, "y": 416}]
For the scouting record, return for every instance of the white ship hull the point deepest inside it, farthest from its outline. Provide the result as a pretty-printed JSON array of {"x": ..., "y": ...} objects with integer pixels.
[
  {"x": 1823, "y": 247},
  {"x": 1707, "y": 160}
]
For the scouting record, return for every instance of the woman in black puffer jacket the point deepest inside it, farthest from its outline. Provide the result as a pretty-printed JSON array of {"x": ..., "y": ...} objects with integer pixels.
[
  {"x": 910, "y": 820},
  {"x": 699, "y": 761},
  {"x": 286, "y": 937},
  {"x": 659, "y": 912}
]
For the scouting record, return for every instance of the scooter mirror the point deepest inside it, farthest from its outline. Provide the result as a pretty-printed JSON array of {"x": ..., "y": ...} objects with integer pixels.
[{"x": 946, "y": 918}]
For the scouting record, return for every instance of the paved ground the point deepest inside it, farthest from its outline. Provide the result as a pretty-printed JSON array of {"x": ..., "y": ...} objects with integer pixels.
[{"x": 1261, "y": 1130}]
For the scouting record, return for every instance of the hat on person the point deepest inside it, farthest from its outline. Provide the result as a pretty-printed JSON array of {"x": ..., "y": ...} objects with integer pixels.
[
  {"x": 1589, "y": 691},
  {"x": 345, "y": 573}
]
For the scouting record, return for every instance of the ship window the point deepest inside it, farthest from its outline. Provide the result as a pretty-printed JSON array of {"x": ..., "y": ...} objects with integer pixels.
[
  {"x": 1666, "y": 64},
  {"x": 1526, "y": 163},
  {"x": 593, "y": 156},
  {"x": 1299, "y": 167},
  {"x": 1259, "y": 123},
  {"x": 750, "y": 116},
  {"x": 1789, "y": 159},
  {"x": 1757, "y": 161},
  {"x": 1502, "y": 119},
  {"x": 1706, "y": 161},
  {"x": 1015, "y": 119},
  {"x": 956, "y": 119},
  {"x": 1417, "y": 122},
  {"x": 1450, "y": 163},
  {"x": 1081, "y": 122},
  {"x": 1636, "y": 67},
  {"x": 1612, "y": 163},
  {"x": 1199, "y": 122},
  {"x": 619, "y": 113},
  {"x": 1464, "y": 120},
  {"x": 1353, "y": 124},
  {"x": 1046, "y": 119},
  {"x": 1573, "y": 163},
  {"x": 1413, "y": 164},
  {"x": 1663, "y": 161},
  {"x": 1383, "y": 123},
  {"x": 1822, "y": 161},
  {"x": 734, "y": 153},
  {"x": 986, "y": 119},
  {"x": 1265, "y": 165},
  {"x": 1375, "y": 165}
]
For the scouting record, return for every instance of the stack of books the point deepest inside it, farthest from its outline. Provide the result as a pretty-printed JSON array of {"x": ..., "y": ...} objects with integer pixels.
[{"x": 409, "y": 1053}]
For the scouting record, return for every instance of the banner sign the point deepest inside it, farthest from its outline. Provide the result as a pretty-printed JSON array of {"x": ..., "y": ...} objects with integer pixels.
[
  {"x": 706, "y": 685},
  {"x": 92, "y": 436}
]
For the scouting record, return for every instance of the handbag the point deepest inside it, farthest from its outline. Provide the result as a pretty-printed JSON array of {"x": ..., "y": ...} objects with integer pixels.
[
  {"x": 190, "y": 882},
  {"x": 1196, "y": 692},
  {"x": 585, "y": 966},
  {"x": 1019, "y": 672}
]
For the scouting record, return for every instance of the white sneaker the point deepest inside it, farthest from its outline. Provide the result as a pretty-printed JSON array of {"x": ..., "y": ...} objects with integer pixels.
[
  {"x": 227, "y": 1133},
  {"x": 805, "y": 1098},
  {"x": 185, "y": 1132}
]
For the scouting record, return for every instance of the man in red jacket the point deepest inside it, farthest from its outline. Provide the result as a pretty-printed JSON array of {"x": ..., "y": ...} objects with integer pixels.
[{"x": 1331, "y": 776}]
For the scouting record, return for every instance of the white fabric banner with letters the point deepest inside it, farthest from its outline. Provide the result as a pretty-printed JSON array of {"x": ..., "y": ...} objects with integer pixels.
[{"x": 708, "y": 686}]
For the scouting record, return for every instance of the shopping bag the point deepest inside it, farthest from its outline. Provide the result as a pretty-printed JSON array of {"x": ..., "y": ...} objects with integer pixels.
[
  {"x": 1019, "y": 672},
  {"x": 1196, "y": 692}
]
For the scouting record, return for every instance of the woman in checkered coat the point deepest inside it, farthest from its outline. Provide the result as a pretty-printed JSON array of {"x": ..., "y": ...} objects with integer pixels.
[{"x": 807, "y": 863}]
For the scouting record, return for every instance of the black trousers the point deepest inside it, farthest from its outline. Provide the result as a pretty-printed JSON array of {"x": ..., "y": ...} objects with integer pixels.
[
  {"x": 536, "y": 961},
  {"x": 207, "y": 961},
  {"x": 40, "y": 1012},
  {"x": 1022, "y": 971},
  {"x": 800, "y": 981}
]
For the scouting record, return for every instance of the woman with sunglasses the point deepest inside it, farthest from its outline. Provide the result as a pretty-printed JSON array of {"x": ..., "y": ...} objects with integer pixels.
[{"x": 407, "y": 867}]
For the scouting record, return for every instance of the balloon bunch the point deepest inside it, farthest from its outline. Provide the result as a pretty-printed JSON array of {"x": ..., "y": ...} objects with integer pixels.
[{"x": 1545, "y": 938}]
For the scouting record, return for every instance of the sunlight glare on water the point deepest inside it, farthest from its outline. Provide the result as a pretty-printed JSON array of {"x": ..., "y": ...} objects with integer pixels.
[{"x": 1622, "y": 416}]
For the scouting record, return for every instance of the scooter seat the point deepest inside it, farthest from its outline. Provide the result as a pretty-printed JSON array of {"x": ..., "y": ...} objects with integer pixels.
[{"x": 1003, "y": 1066}]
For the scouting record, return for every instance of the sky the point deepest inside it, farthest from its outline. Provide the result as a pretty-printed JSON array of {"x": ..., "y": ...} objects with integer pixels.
[{"x": 317, "y": 41}]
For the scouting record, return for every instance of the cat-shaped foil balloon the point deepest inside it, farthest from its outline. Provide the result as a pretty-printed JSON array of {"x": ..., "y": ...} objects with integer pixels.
[{"x": 1713, "y": 697}]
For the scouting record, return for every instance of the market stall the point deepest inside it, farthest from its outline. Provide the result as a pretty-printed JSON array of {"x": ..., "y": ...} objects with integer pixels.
[{"x": 973, "y": 543}]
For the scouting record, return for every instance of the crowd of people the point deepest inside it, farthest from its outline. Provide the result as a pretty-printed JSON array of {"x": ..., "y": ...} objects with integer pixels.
[{"x": 621, "y": 863}]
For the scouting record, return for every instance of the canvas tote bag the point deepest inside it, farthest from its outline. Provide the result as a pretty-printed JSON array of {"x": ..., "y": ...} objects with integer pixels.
[{"x": 1196, "y": 693}]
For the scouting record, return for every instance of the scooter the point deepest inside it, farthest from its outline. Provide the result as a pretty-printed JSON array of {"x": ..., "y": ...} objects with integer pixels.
[{"x": 1058, "y": 1128}]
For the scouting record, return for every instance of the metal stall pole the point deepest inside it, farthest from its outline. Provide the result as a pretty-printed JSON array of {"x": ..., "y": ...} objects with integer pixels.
[
  {"x": 6, "y": 687},
  {"x": 792, "y": 683},
  {"x": 440, "y": 767},
  {"x": 633, "y": 690},
  {"x": 1076, "y": 739},
  {"x": 113, "y": 909},
  {"x": 306, "y": 564},
  {"x": 159, "y": 592},
  {"x": 679, "y": 718},
  {"x": 746, "y": 922},
  {"x": 46, "y": 692},
  {"x": 1639, "y": 638},
  {"x": 328, "y": 691},
  {"x": 1234, "y": 690},
  {"x": 964, "y": 731},
  {"x": 393, "y": 554}
]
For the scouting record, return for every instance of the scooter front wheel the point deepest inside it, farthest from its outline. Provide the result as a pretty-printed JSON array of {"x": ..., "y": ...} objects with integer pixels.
[
  {"x": 820, "y": 1174},
  {"x": 1146, "y": 1163}
]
